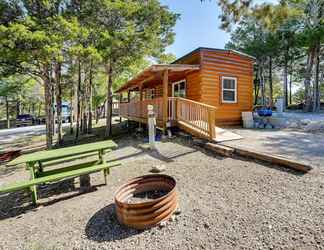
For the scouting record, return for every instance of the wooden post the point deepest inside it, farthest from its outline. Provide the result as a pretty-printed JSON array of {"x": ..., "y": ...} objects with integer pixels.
[
  {"x": 141, "y": 106},
  {"x": 165, "y": 98},
  {"x": 120, "y": 101},
  {"x": 211, "y": 123}
]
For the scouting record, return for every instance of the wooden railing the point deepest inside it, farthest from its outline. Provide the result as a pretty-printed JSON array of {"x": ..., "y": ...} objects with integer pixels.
[
  {"x": 115, "y": 108},
  {"x": 138, "y": 109},
  {"x": 196, "y": 116}
]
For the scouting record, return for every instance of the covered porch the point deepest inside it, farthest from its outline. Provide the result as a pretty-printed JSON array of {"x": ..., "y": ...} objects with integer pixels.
[{"x": 164, "y": 87}]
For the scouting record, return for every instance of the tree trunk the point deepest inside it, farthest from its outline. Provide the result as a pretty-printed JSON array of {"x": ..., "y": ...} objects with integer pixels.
[
  {"x": 7, "y": 112},
  {"x": 290, "y": 88},
  {"x": 71, "y": 113},
  {"x": 285, "y": 86},
  {"x": 109, "y": 70},
  {"x": 58, "y": 102},
  {"x": 48, "y": 107},
  {"x": 261, "y": 77},
  {"x": 90, "y": 101},
  {"x": 270, "y": 82},
  {"x": 317, "y": 93},
  {"x": 18, "y": 108},
  {"x": 256, "y": 89},
  {"x": 307, "y": 81},
  {"x": 77, "y": 129},
  {"x": 39, "y": 109}
]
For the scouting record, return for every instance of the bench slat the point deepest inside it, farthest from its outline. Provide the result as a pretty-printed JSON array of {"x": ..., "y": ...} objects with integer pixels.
[
  {"x": 67, "y": 169},
  {"x": 67, "y": 159},
  {"x": 58, "y": 176}
]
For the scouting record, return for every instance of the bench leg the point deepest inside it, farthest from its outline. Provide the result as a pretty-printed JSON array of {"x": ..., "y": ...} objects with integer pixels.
[
  {"x": 33, "y": 190},
  {"x": 105, "y": 176},
  {"x": 106, "y": 172}
]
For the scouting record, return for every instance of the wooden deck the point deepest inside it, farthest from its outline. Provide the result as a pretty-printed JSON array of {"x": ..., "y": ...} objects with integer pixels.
[{"x": 193, "y": 117}]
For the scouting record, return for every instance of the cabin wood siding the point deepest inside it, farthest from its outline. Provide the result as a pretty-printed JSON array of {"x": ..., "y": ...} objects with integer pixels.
[
  {"x": 214, "y": 65},
  {"x": 193, "y": 80}
]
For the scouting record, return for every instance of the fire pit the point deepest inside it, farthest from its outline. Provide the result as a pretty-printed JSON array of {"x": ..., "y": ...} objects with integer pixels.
[{"x": 146, "y": 201}]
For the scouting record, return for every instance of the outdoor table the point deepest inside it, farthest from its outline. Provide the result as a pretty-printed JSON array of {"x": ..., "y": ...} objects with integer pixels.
[{"x": 34, "y": 161}]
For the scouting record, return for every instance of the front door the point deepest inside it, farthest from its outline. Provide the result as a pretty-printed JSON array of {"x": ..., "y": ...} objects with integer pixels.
[{"x": 179, "y": 89}]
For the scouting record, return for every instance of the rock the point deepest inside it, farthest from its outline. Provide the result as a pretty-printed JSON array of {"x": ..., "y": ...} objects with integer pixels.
[
  {"x": 292, "y": 125},
  {"x": 315, "y": 126},
  {"x": 158, "y": 168},
  {"x": 162, "y": 224},
  {"x": 206, "y": 226},
  {"x": 305, "y": 122},
  {"x": 177, "y": 211},
  {"x": 172, "y": 218}
]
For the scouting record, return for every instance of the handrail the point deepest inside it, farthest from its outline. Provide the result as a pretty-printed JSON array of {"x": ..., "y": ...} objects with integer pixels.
[
  {"x": 199, "y": 103},
  {"x": 195, "y": 116}
]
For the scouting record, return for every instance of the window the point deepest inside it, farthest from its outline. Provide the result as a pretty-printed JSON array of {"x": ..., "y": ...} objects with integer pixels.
[
  {"x": 179, "y": 89},
  {"x": 229, "y": 89},
  {"x": 150, "y": 93}
]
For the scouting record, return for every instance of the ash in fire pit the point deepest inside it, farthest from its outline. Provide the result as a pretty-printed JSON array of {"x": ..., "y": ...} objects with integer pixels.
[{"x": 146, "y": 196}]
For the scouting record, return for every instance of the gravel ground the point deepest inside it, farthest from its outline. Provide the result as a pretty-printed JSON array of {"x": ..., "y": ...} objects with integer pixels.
[{"x": 225, "y": 204}]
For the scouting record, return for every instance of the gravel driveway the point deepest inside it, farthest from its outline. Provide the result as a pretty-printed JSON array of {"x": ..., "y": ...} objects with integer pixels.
[{"x": 225, "y": 204}]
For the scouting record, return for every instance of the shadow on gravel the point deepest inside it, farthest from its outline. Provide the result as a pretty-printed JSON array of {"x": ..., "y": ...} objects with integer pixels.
[
  {"x": 104, "y": 226},
  {"x": 14, "y": 204}
]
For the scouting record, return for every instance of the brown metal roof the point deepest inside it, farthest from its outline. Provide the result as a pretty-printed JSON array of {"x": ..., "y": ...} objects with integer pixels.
[{"x": 153, "y": 73}]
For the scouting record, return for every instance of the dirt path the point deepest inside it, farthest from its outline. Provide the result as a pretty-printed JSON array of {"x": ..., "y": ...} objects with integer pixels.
[{"x": 225, "y": 203}]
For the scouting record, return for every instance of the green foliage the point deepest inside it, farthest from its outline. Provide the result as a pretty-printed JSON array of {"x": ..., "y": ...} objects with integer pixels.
[{"x": 288, "y": 32}]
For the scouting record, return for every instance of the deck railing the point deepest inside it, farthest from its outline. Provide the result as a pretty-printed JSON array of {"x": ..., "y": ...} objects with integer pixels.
[
  {"x": 198, "y": 117},
  {"x": 194, "y": 116},
  {"x": 138, "y": 109}
]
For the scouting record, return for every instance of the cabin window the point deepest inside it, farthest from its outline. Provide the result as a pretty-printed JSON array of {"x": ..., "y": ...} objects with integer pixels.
[
  {"x": 150, "y": 93},
  {"x": 229, "y": 90},
  {"x": 179, "y": 89}
]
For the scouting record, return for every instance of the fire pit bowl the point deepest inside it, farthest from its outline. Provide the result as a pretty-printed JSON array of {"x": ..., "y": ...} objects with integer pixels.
[{"x": 145, "y": 201}]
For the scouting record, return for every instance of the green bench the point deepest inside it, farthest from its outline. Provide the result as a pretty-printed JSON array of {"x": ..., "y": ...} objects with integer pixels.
[
  {"x": 47, "y": 178},
  {"x": 36, "y": 162}
]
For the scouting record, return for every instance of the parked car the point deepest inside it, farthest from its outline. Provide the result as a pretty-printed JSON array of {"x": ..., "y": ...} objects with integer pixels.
[{"x": 24, "y": 120}]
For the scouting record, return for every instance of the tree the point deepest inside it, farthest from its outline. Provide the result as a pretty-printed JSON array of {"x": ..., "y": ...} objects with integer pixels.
[
  {"x": 128, "y": 31},
  {"x": 300, "y": 23}
]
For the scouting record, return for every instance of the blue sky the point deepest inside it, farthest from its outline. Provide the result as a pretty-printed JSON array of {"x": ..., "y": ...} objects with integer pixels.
[{"x": 198, "y": 25}]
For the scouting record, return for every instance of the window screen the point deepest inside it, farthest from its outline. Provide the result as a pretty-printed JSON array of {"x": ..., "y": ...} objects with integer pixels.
[{"x": 229, "y": 89}]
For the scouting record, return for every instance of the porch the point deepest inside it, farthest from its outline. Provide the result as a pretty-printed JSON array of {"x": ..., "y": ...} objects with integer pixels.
[{"x": 164, "y": 87}]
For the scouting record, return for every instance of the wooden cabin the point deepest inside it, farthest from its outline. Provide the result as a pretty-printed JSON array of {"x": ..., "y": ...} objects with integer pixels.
[{"x": 199, "y": 91}]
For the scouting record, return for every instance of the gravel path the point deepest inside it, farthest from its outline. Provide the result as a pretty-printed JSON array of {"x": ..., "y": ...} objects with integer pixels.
[{"x": 225, "y": 204}]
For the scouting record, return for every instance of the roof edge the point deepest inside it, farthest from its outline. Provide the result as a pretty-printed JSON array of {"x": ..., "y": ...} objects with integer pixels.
[{"x": 214, "y": 49}]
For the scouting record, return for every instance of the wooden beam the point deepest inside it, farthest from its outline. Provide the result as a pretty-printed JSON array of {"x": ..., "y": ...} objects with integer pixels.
[
  {"x": 141, "y": 99},
  {"x": 165, "y": 97}
]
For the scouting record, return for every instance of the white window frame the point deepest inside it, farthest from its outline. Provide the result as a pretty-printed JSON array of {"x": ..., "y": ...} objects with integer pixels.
[
  {"x": 234, "y": 90},
  {"x": 178, "y": 83}
]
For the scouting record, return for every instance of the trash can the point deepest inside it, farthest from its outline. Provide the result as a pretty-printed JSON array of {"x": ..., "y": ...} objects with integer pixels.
[{"x": 247, "y": 118}]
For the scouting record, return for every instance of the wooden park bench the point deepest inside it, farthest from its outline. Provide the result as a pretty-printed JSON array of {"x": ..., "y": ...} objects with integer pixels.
[{"x": 37, "y": 162}]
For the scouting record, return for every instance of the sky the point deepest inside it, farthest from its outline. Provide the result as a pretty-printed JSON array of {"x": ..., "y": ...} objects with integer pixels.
[{"x": 198, "y": 25}]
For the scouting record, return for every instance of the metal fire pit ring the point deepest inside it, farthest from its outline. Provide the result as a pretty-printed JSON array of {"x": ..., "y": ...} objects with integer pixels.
[{"x": 146, "y": 214}]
